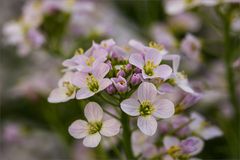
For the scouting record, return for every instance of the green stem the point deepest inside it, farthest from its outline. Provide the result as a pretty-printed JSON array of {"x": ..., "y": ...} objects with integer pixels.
[
  {"x": 127, "y": 136},
  {"x": 228, "y": 60}
]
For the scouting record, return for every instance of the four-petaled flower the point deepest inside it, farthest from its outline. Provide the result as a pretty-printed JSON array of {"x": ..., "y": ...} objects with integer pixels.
[
  {"x": 92, "y": 129},
  {"x": 66, "y": 90},
  {"x": 147, "y": 106},
  {"x": 93, "y": 82},
  {"x": 149, "y": 63}
]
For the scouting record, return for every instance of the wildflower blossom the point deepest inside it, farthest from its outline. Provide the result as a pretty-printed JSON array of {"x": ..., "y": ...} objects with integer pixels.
[
  {"x": 149, "y": 64},
  {"x": 147, "y": 106},
  {"x": 200, "y": 127},
  {"x": 182, "y": 149},
  {"x": 92, "y": 129},
  {"x": 93, "y": 82},
  {"x": 191, "y": 46},
  {"x": 66, "y": 90}
]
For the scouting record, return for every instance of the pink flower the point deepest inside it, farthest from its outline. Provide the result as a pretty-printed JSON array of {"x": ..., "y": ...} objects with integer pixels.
[
  {"x": 149, "y": 63},
  {"x": 66, "y": 89},
  {"x": 92, "y": 129},
  {"x": 148, "y": 106},
  {"x": 92, "y": 82}
]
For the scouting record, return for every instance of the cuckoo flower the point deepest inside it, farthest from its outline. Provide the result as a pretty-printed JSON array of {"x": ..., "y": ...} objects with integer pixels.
[
  {"x": 92, "y": 82},
  {"x": 149, "y": 63},
  {"x": 66, "y": 90},
  {"x": 148, "y": 106},
  {"x": 191, "y": 47},
  {"x": 178, "y": 78},
  {"x": 86, "y": 62},
  {"x": 142, "y": 49},
  {"x": 182, "y": 149},
  {"x": 202, "y": 128},
  {"x": 92, "y": 129}
]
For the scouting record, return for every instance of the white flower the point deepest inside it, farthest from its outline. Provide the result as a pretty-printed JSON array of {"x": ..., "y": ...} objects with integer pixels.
[
  {"x": 92, "y": 129},
  {"x": 65, "y": 91},
  {"x": 148, "y": 106},
  {"x": 93, "y": 82},
  {"x": 202, "y": 128}
]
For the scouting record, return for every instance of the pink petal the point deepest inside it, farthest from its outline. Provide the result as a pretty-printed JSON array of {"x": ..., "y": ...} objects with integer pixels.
[
  {"x": 84, "y": 93},
  {"x": 136, "y": 60},
  {"x": 199, "y": 146},
  {"x": 146, "y": 91},
  {"x": 79, "y": 79},
  {"x": 104, "y": 83},
  {"x": 110, "y": 127},
  {"x": 153, "y": 57},
  {"x": 101, "y": 70},
  {"x": 93, "y": 112},
  {"x": 59, "y": 95},
  {"x": 170, "y": 141},
  {"x": 130, "y": 106},
  {"x": 148, "y": 125},
  {"x": 78, "y": 129},
  {"x": 163, "y": 71},
  {"x": 92, "y": 140},
  {"x": 163, "y": 108}
]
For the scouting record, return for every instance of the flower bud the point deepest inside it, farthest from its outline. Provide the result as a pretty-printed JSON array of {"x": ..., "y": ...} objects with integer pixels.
[
  {"x": 111, "y": 89},
  {"x": 136, "y": 79},
  {"x": 137, "y": 70},
  {"x": 121, "y": 84},
  {"x": 128, "y": 67},
  {"x": 121, "y": 73}
]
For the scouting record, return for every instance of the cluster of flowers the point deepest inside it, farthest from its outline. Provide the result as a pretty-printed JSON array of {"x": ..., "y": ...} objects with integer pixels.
[{"x": 140, "y": 81}]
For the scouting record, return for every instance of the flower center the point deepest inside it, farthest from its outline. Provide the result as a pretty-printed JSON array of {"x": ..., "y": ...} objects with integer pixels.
[
  {"x": 174, "y": 151},
  {"x": 156, "y": 46},
  {"x": 70, "y": 88},
  {"x": 146, "y": 108},
  {"x": 92, "y": 83},
  {"x": 94, "y": 127},
  {"x": 148, "y": 68},
  {"x": 90, "y": 61}
]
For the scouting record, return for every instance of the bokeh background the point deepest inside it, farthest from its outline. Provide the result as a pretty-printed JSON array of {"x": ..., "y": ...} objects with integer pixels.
[{"x": 33, "y": 129}]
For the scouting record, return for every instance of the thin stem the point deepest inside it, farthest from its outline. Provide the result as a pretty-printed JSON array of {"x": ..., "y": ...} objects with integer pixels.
[
  {"x": 228, "y": 59},
  {"x": 127, "y": 136}
]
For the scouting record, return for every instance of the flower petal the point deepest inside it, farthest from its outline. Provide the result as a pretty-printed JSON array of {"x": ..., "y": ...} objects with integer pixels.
[
  {"x": 146, "y": 91},
  {"x": 78, "y": 129},
  {"x": 136, "y": 60},
  {"x": 110, "y": 127},
  {"x": 163, "y": 108},
  {"x": 197, "y": 145},
  {"x": 59, "y": 95},
  {"x": 79, "y": 79},
  {"x": 211, "y": 132},
  {"x": 92, "y": 140},
  {"x": 170, "y": 141},
  {"x": 148, "y": 125},
  {"x": 100, "y": 70},
  {"x": 93, "y": 112},
  {"x": 104, "y": 83},
  {"x": 84, "y": 93},
  {"x": 153, "y": 57},
  {"x": 130, "y": 106},
  {"x": 163, "y": 71}
]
